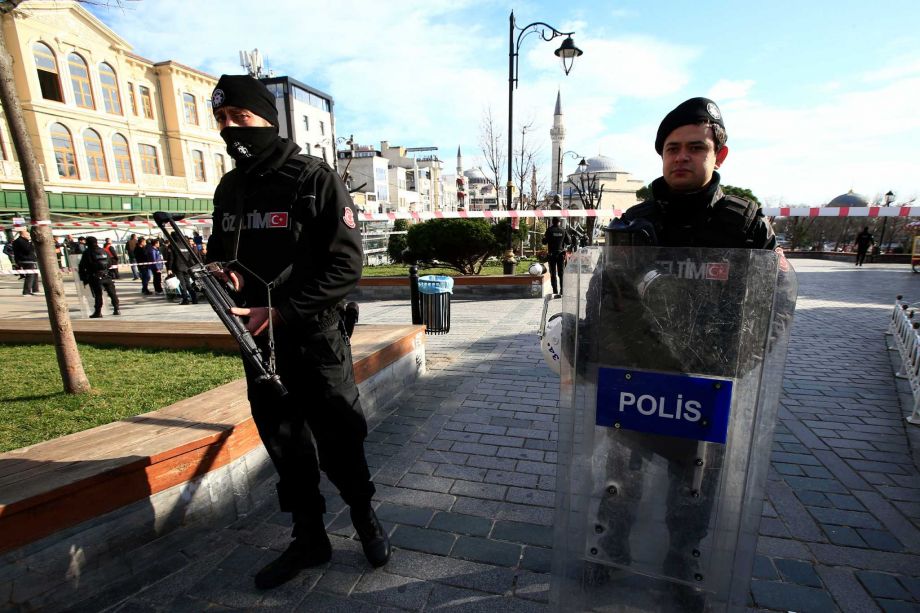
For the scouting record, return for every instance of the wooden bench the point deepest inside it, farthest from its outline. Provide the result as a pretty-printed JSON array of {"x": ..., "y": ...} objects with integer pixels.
[{"x": 57, "y": 484}]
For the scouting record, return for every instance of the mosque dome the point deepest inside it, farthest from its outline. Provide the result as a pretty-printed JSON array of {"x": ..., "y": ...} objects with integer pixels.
[
  {"x": 849, "y": 199},
  {"x": 475, "y": 175},
  {"x": 601, "y": 163}
]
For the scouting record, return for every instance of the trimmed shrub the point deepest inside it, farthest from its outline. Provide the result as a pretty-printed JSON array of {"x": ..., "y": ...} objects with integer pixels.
[
  {"x": 460, "y": 244},
  {"x": 396, "y": 244}
]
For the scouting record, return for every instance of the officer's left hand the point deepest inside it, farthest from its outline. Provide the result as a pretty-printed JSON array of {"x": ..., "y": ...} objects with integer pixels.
[{"x": 258, "y": 318}]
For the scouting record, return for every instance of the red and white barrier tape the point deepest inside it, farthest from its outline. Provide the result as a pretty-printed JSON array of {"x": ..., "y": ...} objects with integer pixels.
[
  {"x": 799, "y": 211},
  {"x": 34, "y": 271}
]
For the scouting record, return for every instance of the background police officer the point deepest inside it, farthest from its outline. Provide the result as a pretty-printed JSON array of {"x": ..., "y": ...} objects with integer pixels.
[
  {"x": 95, "y": 270},
  {"x": 554, "y": 239},
  {"x": 688, "y": 207},
  {"x": 286, "y": 228}
]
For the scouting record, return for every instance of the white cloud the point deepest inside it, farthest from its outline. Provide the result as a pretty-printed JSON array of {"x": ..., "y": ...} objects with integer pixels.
[
  {"x": 422, "y": 73},
  {"x": 725, "y": 89}
]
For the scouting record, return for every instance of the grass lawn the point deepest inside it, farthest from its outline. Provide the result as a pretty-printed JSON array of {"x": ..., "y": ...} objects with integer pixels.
[
  {"x": 126, "y": 382},
  {"x": 402, "y": 270}
]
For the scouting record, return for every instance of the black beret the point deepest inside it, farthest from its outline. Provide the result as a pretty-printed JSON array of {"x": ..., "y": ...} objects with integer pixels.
[
  {"x": 694, "y": 110},
  {"x": 245, "y": 92}
]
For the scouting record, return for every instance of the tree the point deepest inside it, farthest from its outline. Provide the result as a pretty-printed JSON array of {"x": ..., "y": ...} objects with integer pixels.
[
  {"x": 396, "y": 243},
  {"x": 524, "y": 165},
  {"x": 590, "y": 195},
  {"x": 65, "y": 345},
  {"x": 493, "y": 149},
  {"x": 503, "y": 228},
  {"x": 741, "y": 192},
  {"x": 644, "y": 193},
  {"x": 461, "y": 244}
]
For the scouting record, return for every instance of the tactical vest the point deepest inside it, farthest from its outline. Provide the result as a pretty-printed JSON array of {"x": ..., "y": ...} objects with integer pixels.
[{"x": 727, "y": 223}]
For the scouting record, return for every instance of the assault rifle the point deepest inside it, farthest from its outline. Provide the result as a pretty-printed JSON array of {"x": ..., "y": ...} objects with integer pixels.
[{"x": 187, "y": 259}]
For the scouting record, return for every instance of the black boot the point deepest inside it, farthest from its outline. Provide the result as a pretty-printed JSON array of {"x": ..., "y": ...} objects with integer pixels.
[
  {"x": 96, "y": 315},
  {"x": 115, "y": 311},
  {"x": 373, "y": 538},
  {"x": 310, "y": 547}
]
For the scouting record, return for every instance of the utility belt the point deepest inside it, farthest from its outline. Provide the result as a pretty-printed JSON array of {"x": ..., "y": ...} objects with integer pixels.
[{"x": 326, "y": 320}]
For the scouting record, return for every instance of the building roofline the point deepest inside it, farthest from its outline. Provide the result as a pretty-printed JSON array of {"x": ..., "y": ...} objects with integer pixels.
[{"x": 184, "y": 67}]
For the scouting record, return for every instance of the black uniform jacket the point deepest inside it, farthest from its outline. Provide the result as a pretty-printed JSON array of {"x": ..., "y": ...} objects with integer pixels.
[
  {"x": 706, "y": 218},
  {"x": 302, "y": 236},
  {"x": 94, "y": 265},
  {"x": 24, "y": 251}
]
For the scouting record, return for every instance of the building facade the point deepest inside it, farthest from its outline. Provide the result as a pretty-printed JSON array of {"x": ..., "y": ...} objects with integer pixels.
[
  {"x": 305, "y": 115},
  {"x": 619, "y": 186},
  {"x": 112, "y": 132},
  {"x": 118, "y": 135}
]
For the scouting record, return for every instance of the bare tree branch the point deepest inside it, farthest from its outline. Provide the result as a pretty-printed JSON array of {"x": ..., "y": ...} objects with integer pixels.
[{"x": 493, "y": 149}]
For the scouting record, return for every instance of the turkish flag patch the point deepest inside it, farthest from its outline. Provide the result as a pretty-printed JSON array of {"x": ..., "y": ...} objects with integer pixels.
[
  {"x": 349, "y": 218},
  {"x": 278, "y": 220},
  {"x": 717, "y": 271}
]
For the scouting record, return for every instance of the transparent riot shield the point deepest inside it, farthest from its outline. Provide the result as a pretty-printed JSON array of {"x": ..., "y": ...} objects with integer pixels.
[{"x": 671, "y": 372}]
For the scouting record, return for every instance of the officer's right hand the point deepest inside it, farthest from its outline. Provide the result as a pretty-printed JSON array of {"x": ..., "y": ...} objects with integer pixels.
[{"x": 233, "y": 278}]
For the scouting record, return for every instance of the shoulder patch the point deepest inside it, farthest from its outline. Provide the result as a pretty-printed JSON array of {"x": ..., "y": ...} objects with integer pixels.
[{"x": 349, "y": 218}]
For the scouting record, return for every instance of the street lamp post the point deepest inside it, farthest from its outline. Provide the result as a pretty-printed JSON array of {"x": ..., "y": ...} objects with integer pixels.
[
  {"x": 889, "y": 198},
  {"x": 567, "y": 52},
  {"x": 559, "y": 181}
]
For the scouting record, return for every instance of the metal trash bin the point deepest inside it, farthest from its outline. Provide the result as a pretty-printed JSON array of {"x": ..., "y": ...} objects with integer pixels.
[{"x": 435, "y": 291}]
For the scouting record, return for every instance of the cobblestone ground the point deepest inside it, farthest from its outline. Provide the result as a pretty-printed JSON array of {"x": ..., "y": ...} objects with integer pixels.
[{"x": 465, "y": 469}]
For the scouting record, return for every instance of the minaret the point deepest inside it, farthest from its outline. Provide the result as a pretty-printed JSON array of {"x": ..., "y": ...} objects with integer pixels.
[
  {"x": 459, "y": 162},
  {"x": 557, "y": 134}
]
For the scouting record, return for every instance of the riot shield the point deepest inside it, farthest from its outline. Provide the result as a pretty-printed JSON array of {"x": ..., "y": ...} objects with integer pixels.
[{"x": 670, "y": 378}]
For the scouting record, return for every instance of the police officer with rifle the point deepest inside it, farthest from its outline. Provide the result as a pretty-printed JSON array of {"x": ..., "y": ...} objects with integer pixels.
[{"x": 286, "y": 236}]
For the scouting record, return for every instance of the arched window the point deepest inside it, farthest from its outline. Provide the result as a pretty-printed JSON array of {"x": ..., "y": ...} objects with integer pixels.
[
  {"x": 150, "y": 164},
  {"x": 48, "y": 78},
  {"x": 110, "y": 95},
  {"x": 79, "y": 80},
  {"x": 220, "y": 165},
  {"x": 122, "y": 159},
  {"x": 146, "y": 101},
  {"x": 95, "y": 156},
  {"x": 198, "y": 163},
  {"x": 63, "y": 152},
  {"x": 191, "y": 109}
]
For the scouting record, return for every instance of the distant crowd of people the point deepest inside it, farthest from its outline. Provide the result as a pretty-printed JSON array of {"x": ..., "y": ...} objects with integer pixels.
[{"x": 148, "y": 258}]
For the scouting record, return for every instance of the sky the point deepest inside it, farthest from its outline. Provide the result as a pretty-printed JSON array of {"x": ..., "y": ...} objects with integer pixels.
[{"x": 819, "y": 97}]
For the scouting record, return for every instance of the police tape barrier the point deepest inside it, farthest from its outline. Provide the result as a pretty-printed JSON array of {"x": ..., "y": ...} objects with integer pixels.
[
  {"x": 905, "y": 331},
  {"x": 35, "y": 271},
  {"x": 843, "y": 211}
]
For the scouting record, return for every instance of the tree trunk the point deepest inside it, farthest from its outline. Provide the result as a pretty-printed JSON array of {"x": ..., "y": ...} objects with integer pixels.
[{"x": 65, "y": 345}]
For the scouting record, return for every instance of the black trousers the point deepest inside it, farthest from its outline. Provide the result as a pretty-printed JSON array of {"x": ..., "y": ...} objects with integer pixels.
[
  {"x": 96, "y": 286},
  {"x": 861, "y": 256},
  {"x": 29, "y": 281},
  {"x": 319, "y": 425},
  {"x": 556, "y": 262}
]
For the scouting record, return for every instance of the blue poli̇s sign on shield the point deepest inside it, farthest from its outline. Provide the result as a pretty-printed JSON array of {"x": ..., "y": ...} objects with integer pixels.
[{"x": 667, "y": 404}]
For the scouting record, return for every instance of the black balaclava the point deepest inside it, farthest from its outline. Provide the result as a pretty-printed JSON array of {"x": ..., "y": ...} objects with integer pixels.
[{"x": 247, "y": 145}]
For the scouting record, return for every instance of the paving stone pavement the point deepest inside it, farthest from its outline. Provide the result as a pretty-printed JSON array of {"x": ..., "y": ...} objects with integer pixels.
[{"x": 465, "y": 471}]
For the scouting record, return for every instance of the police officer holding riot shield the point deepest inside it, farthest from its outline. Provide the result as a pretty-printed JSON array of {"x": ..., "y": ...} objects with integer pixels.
[
  {"x": 639, "y": 317},
  {"x": 286, "y": 230},
  {"x": 688, "y": 207}
]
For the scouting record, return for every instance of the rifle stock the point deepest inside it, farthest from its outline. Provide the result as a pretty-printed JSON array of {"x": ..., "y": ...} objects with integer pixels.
[{"x": 202, "y": 275}]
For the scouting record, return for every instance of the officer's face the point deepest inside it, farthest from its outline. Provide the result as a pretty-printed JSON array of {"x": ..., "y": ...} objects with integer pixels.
[
  {"x": 689, "y": 157},
  {"x": 236, "y": 117}
]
